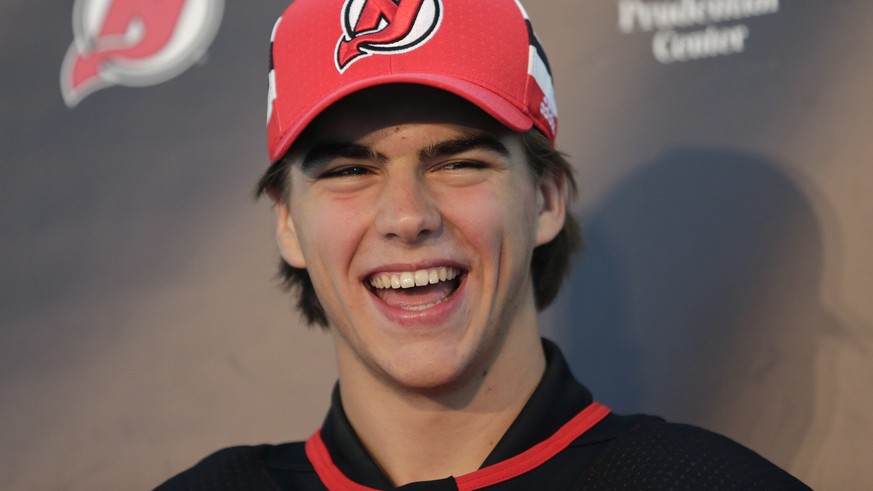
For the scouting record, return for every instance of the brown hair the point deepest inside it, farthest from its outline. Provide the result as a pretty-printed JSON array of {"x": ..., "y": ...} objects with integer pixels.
[{"x": 549, "y": 265}]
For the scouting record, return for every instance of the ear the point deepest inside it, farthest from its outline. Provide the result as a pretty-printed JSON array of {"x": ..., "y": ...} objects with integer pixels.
[
  {"x": 551, "y": 208},
  {"x": 286, "y": 236}
]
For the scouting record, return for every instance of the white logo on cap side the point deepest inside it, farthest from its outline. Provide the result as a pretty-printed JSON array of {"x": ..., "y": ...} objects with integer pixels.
[{"x": 271, "y": 77}]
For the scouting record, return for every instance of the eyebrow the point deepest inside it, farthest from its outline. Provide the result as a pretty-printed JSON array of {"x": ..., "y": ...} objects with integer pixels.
[
  {"x": 322, "y": 154},
  {"x": 472, "y": 141}
]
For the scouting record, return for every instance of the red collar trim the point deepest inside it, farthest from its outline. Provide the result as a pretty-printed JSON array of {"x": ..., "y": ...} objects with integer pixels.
[{"x": 522, "y": 463}]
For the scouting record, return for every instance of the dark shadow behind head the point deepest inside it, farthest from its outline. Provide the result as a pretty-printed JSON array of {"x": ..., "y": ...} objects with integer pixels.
[{"x": 697, "y": 297}]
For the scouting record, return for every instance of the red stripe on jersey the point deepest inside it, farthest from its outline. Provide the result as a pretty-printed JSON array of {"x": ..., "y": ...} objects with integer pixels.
[
  {"x": 330, "y": 475},
  {"x": 530, "y": 459},
  {"x": 537, "y": 455}
]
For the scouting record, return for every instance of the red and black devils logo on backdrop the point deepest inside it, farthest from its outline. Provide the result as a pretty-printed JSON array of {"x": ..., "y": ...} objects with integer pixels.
[
  {"x": 135, "y": 42},
  {"x": 385, "y": 27}
]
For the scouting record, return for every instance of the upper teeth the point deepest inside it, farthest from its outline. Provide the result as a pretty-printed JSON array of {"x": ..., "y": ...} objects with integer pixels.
[{"x": 408, "y": 279}]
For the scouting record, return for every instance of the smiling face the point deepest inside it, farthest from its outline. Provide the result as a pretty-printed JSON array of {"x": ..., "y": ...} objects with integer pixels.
[{"x": 416, "y": 215}]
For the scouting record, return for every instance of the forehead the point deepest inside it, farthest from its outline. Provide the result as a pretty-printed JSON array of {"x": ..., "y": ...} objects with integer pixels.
[{"x": 364, "y": 112}]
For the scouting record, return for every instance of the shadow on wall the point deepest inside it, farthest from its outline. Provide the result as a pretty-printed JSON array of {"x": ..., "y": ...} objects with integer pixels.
[{"x": 698, "y": 298}]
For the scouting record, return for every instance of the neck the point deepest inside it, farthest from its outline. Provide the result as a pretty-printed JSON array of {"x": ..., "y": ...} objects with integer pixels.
[{"x": 421, "y": 435}]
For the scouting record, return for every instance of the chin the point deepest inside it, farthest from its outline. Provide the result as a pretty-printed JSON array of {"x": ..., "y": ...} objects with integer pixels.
[{"x": 428, "y": 372}]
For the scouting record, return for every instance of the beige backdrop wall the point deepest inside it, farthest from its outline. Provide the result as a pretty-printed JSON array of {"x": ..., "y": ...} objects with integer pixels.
[{"x": 726, "y": 202}]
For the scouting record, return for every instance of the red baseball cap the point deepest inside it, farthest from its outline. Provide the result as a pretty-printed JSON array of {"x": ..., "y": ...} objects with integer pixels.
[{"x": 482, "y": 50}]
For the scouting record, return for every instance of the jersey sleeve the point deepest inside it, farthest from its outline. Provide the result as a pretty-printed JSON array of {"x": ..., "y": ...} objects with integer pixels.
[
  {"x": 655, "y": 455},
  {"x": 234, "y": 468}
]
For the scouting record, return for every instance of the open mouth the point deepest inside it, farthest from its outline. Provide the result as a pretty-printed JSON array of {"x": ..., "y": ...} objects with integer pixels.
[{"x": 416, "y": 290}]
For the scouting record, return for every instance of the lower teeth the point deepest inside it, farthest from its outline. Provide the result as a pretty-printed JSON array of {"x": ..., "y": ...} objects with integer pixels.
[{"x": 418, "y": 308}]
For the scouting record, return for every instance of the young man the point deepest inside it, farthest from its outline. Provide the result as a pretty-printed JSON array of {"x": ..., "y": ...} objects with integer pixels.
[{"x": 421, "y": 219}]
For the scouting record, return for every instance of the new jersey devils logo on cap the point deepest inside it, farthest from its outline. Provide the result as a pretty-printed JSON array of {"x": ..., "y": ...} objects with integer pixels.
[
  {"x": 385, "y": 27},
  {"x": 135, "y": 42}
]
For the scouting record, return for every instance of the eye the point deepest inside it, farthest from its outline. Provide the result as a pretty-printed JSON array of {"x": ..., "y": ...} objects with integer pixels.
[
  {"x": 464, "y": 165},
  {"x": 345, "y": 171}
]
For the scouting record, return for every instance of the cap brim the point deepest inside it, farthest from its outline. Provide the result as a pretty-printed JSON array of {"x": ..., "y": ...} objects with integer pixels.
[{"x": 496, "y": 106}]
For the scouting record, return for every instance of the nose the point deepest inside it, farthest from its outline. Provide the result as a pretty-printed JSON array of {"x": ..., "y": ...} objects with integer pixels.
[{"x": 407, "y": 210}]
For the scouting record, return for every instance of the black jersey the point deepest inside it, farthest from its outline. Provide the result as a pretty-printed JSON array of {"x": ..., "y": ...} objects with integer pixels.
[{"x": 561, "y": 440}]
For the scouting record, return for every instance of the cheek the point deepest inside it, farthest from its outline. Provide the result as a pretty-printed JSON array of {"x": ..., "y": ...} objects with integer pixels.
[
  {"x": 498, "y": 218},
  {"x": 330, "y": 230}
]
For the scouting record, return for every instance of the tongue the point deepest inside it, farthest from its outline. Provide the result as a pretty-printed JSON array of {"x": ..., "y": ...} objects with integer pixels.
[{"x": 417, "y": 296}]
